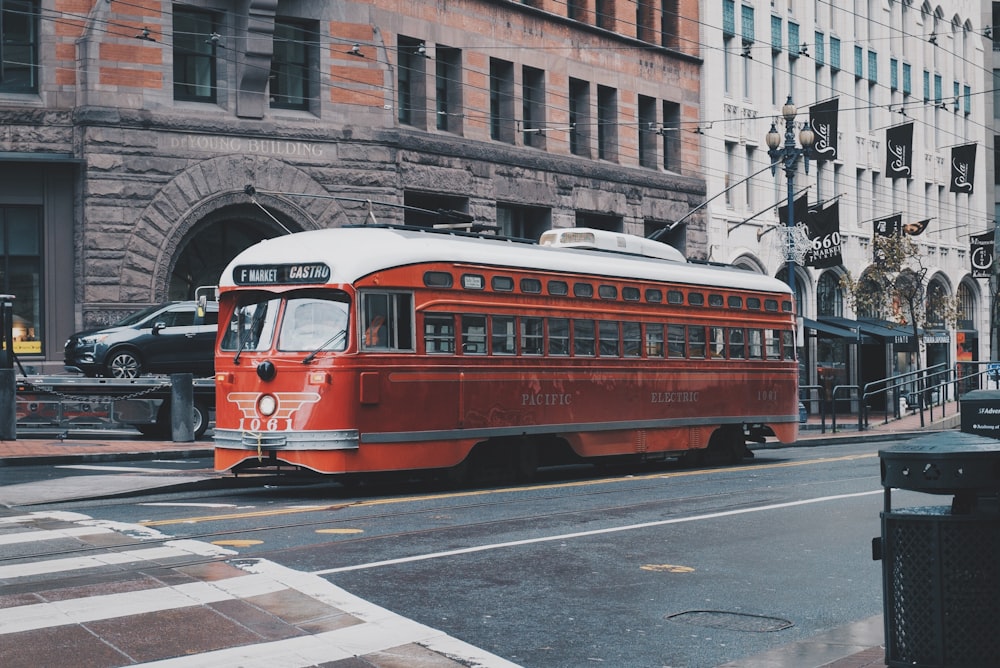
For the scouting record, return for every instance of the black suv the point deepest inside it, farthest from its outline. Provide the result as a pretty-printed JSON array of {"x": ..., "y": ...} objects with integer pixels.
[{"x": 178, "y": 337}]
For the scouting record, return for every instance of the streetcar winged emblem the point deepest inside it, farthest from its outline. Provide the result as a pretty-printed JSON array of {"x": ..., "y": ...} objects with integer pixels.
[{"x": 288, "y": 402}]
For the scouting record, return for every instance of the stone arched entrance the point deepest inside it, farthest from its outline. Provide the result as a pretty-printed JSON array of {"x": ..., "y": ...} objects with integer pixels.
[{"x": 185, "y": 237}]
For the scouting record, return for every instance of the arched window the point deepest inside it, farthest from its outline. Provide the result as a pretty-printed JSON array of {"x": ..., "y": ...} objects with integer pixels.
[
  {"x": 966, "y": 307},
  {"x": 829, "y": 296}
]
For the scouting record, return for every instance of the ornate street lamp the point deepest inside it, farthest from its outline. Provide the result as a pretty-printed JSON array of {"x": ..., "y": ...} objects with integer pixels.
[{"x": 788, "y": 155}]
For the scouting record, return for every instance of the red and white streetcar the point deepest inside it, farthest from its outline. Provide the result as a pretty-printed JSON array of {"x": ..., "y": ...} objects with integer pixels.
[{"x": 371, "y": 349}]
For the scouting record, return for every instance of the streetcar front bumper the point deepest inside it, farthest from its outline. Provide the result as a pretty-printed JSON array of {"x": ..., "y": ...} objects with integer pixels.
[{"x": 235, "y": 439}]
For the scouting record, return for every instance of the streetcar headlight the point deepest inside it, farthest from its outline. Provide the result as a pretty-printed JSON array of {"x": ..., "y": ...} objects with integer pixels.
[{"x": 267, "y": 405}]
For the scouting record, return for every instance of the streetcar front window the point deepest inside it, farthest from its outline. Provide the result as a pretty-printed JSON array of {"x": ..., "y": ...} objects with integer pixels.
[
  {"x": 252, "y": 325},
  {"x": 314, "y": 323}
]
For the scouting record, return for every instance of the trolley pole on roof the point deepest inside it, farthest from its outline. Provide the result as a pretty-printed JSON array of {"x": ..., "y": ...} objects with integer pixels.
[{"x": 788, "y": 155}]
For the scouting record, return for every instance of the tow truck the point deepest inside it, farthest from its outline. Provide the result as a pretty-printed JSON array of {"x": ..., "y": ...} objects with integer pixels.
[{"x": 60, "y": 404}]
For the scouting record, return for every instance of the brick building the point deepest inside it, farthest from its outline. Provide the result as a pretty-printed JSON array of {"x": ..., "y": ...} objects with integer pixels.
[{"x": 132, "y": 128}]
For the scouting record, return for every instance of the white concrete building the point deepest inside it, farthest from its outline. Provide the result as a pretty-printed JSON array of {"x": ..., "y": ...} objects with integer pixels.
[{"x": 886, "y": 62}]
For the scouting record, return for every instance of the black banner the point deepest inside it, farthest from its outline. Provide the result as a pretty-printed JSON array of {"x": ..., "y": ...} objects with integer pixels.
[
  {"x": 824, "y": 232},
  {"x": 823, "y": 121},
  {"x": 981, "y": 254},
  {"x": 800, "y": 210},
  {"x": 899, "y": 151},
  {"x": 913, "y": 229},
  {"x": 963, "y": 168},
  {"x": 889, "y": 226}
]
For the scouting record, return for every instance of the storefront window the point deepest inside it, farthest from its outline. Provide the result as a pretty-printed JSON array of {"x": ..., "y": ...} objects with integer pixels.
[{"x": 21, "y": 274}]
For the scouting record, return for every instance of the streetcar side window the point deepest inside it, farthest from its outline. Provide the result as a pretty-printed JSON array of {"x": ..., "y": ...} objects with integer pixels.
[
  {"x": 438, "y": 279},
  {"x": 675, "y": 297},
  {"x": 756, "y": 344},
  {"x": 583, "y": 290},
  {"x": 558, "y": 336},
  {"x": 387, "y": 321},
  {"x": 607, "y": 292},
  {"x": 696, "y": 341},
  {"x": 676, "y": 341},
  {"x": 630, "y": 294},
  {"x": 735, "y": 301},
  {"x": 772, "y": 344},
  {"x": 715, "y": 300},
  {"x": 737, "y": 344},
  {"x": 502, "y": 283},
  {"x": 654, "y": 340},
  {"x": 753, "y": 303},
  {"x": 632, "y": 339},
  {"x": 473, "y": 334},
  {"x": 532, "y": 336},
  {"x": 717, "y": 342},
  {"x": 654, "y": 296},
  {"x": 788, "y": 344},
  {"x": 607, "y": 332},
  {"x": 439, "y": 333},
  {"x": 531, "y": 286},
  {"x": 770, "y": 304},
  {"x": 584, "y": 338},
  {"x": 696, "y": 299},
  {"x": 504, "y": 336},
  {"x": 558, "y": 288}
]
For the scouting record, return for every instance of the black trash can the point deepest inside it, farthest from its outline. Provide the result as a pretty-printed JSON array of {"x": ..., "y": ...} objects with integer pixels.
[{"x": 941, "y": 563}]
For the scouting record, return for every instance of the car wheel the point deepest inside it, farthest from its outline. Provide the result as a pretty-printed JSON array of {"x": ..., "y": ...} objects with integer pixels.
[{"x": 124, "y": 364}]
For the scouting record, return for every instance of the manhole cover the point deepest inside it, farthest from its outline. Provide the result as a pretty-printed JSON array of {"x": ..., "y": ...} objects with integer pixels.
[{"x": 733, "y": 621}]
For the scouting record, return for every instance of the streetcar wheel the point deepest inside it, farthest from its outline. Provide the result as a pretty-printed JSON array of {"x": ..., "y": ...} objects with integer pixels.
[{"x": 726, "y": 446}]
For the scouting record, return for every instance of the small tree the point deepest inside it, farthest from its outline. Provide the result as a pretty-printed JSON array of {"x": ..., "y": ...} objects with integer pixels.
[{"x": 894, "y": 287}]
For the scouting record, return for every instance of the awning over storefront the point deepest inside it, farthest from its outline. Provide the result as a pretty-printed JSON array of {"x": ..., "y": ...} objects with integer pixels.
[
  {"x": 831, "y": 329},
  {"x": 874, "y": 331}
]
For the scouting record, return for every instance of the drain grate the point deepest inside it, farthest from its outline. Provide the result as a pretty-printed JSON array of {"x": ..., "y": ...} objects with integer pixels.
[{"x": 732, "y": 621}]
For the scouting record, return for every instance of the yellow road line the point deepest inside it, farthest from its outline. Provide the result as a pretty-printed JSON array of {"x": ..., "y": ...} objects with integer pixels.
[{"x": 503, "y": 490}]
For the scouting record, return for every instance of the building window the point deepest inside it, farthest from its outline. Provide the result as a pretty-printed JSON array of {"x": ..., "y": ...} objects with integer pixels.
[
  {"x": 501, "y": 100},
  {"x": 669, "y": 24},
  {"x": 533, "y": 106},
  {"x": 290, "y": 85},
  {"x": 524, "y": 222},
  {"x": 579, "y": 117},
  {"x": 834, "y": 53},
  {"x": 607, "y": 123},
  {"x": 21, "y": 269},
  {"x": 647, "y": 132},
  {"x": 644, "y": 21},
  {"x": 194, "y": 55},
  {"x": 19, "y": 46},
  {"x": 448, "y": 88},
  {"x": 907, "y": 76},
  {"x": 605, "y": 10},
  {"x": 411, "y": 82},
  {"x": 829, "y": 296},
  {"x": 576, "y": 10},
  {"x": 672, "y": 136}
]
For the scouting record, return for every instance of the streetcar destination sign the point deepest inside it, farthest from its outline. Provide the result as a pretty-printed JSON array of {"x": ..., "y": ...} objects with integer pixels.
[{"x": 281, "y": 274}]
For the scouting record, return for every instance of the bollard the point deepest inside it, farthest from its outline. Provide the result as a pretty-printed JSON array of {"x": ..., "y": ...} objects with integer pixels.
[
  {"x": 8, "y": 405},
  {"x": 181, "y": 407}
]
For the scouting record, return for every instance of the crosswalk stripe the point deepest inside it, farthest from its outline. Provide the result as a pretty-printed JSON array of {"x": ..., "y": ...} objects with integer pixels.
[
  {"x": 169, "y": 550},
  {"x": 375, "y": 630},
  {"x": 50, "y": 534},
  {"x": 111, "y": 606}
]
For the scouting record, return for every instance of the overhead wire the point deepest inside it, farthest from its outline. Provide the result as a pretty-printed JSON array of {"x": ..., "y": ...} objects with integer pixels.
[{"x": 123, "y": 30}]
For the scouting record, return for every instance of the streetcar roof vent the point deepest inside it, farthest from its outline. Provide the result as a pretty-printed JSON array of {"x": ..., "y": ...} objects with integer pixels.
[{"x": 585, "y": 237}]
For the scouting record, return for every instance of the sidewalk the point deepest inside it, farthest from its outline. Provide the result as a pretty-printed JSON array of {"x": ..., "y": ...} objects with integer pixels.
[{"x": 857, "y": 645}]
